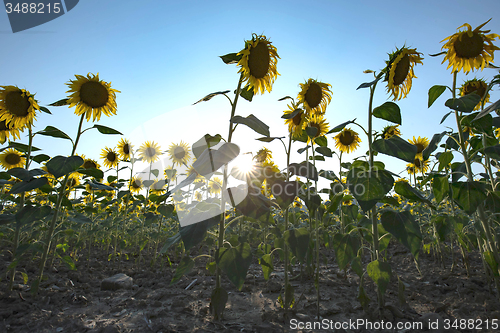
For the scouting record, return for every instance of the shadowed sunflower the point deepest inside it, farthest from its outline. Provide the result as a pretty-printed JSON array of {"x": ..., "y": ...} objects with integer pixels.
[
  {"x": 135, "y": 184},
  {"x": 179, "y": 153},
  {"x": 11, "y": 158},
  {"x": 150, "y": 152},
  {"x": 420, "y": 143},
  {"x": 73, "y": 180},
  {"x": 214, "y": 185},
  {"x": 124, "y": 149},
  {"x": 158, "y": 187},
  {"x": 89, "y": 163},
  {"x": 263, "y": 155},
  {"x": 390, "y": 130},
  {"x": 17, "y": 107},
  {"x": 296, "y": 123},
  {"x": 6, "y": 131},
  {"x": 92, "y": 96},
  {"x": 477, "y": 86},
  {"x": 400, "y": 73},
  {"x": 317, "y": 121},
  {"x": 469, "y": 49},
  {"x": 315, "y": 96},
  {"x": 418, "y": 166},
  {"x": 347, "y": 141},
  {"x": 110, "y": 158},
  {"x": 258, "y": 64},
  {"x": 198, "y": 196}
]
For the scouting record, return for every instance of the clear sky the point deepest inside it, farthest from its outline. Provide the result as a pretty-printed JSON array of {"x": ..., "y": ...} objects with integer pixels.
[{"x": 163, "y": 56}]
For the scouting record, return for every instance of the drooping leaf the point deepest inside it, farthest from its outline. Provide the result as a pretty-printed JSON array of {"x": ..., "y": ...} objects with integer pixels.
[
  {"x": 211, "y": 160},
  {"x": 406, "y": 190},
  {"x": 340, "y": 127},
  {"x": 171, "y": 241},
  {"x": 44, "y": 109},
  {"x": 369, "y": 186},
  {"x": 440, "y": 187},
  {"x": 396, "y": 147},
  {"x": 106, "y": 130},
  {"x": 368, "y": 84},
  {"x": 445, "y": 159},
  {"x": 380, "y": 273},
  {"x": 60, "y": 102},
  {"x": 298, "y": 242},
  {"x": 321, "y": 141},
  {"x": 185, "y": 266},
  {"x": 210, "y": 96},
  {"x": 388, "y": 111},
  {"x": 465, "y": 103},
  {"x": 40, "y": 158},
  {"x": 235, "y": 263},
  {"x": 93, "y": 172},
  {"x": 29, "y": 185},
  {"x": 207, "y": 141},
  {"x": 285, "y": 192},
  {"x": 445, "y": 116},
  {"x": 60, "y": 165},
  {"x": 21, "y": 147},
  {"x": 68, "y": 261},
  {"x": 247, "y": 93},
  {"x": 266, "y": 262},
  {"x": 218, "y": 302},
  {"x": 434, "y": 93},
  {"x": 193, "y": 233},
  {"x": 404, "y": 228},
  {"x": 304, "y": 169},
  {"x": 493, "y": 152},
  {"x": 54, "y": 132},
  {"x": 433, "y": 144},
  {"x": 231, "y": 58},
  {"x": 346, "y": 248},
  {"x": 29, "y": 214},
  {"x": 325, "y": 151},
  {"x": 487, "y": 110}
]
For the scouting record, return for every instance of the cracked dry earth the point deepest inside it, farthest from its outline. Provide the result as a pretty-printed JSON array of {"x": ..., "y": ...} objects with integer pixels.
[{"x": 72, "y": 301}]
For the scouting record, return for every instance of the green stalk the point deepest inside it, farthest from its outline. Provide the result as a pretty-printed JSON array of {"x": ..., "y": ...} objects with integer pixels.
[{"x": 285, "y": 246}]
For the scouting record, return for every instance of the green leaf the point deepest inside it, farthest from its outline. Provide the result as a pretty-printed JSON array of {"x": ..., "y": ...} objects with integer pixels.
[
  {"x": 311, "y": 131},
  {"x": 7, "y": 218},
  {"x": 60, "y": 102},
  {"x": 340, "y": 127},
  {"x": 285, "y": 192},
  {"x": 335, "y": 202},
  {"x": 368, "y": 84},
  {"x": 166, "y": 210},
  {"x": 369, "y": 186},
  {"x": 44, "y": 109},
  {"x": 291, "y": 114},
  {"x": 434, "y": 93},
  {"x": 357, "y": 266},
  {"x": 410, "y": 193},
  {"x": 445, "y": 116},
  {"x": 68, "y": 261},
  {"x": 41, "y": 158},
  {"x": 270, "y": 138},
  {"x": 362, "y": 296},
  {"x": 325, "y": 151},
  {"x": 380, "y": 273},
  {"x": 490, "y": 259},
  {"x": 404, "y": 228},
  {"x": 321, "y": 141},
  {"x": 29, "y": 214},
  {"x": 396, "y": 147},
  {"x": 185, "y": 266},
  {"x": 171, "y": 241},
  {"x": 20, "y": 173},
  {"x": 316, "y": 158},
  {"x": 231, "y": 58},
  {"x": 252, "y": 122},
  {"x": 106, "y": 130},
  {"x": 80, "y": 219},
  {"x": 235, "y": 263},
  {"x": 93, "y": 172},
  {"x": 298, "y": 242},
  {"x": 22, "y": 147},
  {"x": 28, "y": 185},
  {"x": 493, "y": 152},
  {"x": 266, "y": 262},
  {"x": 388, "y": 111},
  {"x": 210, "y": 96},
  {"x": 490, "y": 108},
  {"x": 482, "y": 124},
  {"x": 101, "y": 187},
  {"x": 440, "y": 187},
  {"x": 445, "y": 159},
  {"x": 205, "y": 142},
  {"x": 60, "y": 165},
  {"x": 436, "y": 138},
  {"x": 465, "y": 103},
  {"x": 193, "y": 234},
  {"x": 468, "y": 195},
  {"x": 346, "y": 248},
  {"x": 304, "y": 169},
  {"x": 218, "y": 303},
  {"x": 247, "y": 93},
  {"x": 54, "y": 132}
]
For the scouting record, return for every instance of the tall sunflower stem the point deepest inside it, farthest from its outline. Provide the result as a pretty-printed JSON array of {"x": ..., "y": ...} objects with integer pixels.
[{"x": 285, "y": 245}]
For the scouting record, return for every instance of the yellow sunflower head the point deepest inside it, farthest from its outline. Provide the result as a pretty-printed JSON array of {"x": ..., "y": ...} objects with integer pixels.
[
  {"x": 258, "y": 64},
  {"x": 418, "y": 166},
  {"x": 477, "y": 86},
  {"x": 315, "y": 96},
  {"x": 92, "y": 96},
  {"x": 420, "y": 143},
  {"x": 11, "y": 158},
  {"x": 17, "y": 107},
  {"x": 198, "y": 196},
  {"x": 6, "y": 131},
  {"x": 179, "y": 153},
  {"x": 150, "y": 152},
  {"x": 158, "y": 187},
  {"x": 73, "y": 180},
  {"x": 124, "y": 149},
  {"x": 497, "y": 133},
  {"x": 347, "y": 140},
  {"x": 390, "y": 130},
  {"x": 89, "y": 163},
  {"x": 135, "y": 184},
  {"x": 400, "y": 73},
  {"x": 317, "y": 121},
  {"x": 214, "y": 185},
  {"x": 469, "y": 49},
  {"x": 170, "y": 173},
  {"x": 296, "y": 123},
  {"x": 110, "y": 157},
  {"x": 263, "y": 155}
]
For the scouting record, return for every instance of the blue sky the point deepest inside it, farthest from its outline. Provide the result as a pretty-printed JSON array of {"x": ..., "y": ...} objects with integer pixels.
[{"x": 163, "y": 57}]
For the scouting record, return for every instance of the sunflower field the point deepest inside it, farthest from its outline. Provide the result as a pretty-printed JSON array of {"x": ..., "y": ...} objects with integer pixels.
[{"x": 199, "y": 221}]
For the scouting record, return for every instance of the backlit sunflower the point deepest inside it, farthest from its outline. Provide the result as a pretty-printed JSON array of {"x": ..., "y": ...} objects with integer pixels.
[
  {"x": 390, "y": 130},
  {"x": 89, "y": 163},
  {"x": 73, "y": 180},
  {"x": 347, "y": 140},
  {"x": 418, "y": 166},
  {"x": 214, "y": 185},
  {"x": 263, "y": 155},
  {"x": 317, "y": 121},
  {"x": 11, "y": 158},
  {"x": 258, "y": 64},
  {"x": 477, "y": 86},
  {"x": 400, "y": 73},
  {"x": 17, "y": 106},
  {"x": 150, "y": 152},
  {"x": 420, "y": 143},
  {"x": 295, "y": 124},
  {"x": 198, "y": 196},
  {"x": 124, "y": 149},
  {"x": 110, "y": 157},
  {"x": 469, "y": 49},
  {"x": 315, "y": 96},
  {"x": 92, "y": 96},
  {"x": 158, "y": 187},
  {"x": 179, "y": 153},
  {"x": 6, "y": 131},
  {"x": 135, "y": 184}
]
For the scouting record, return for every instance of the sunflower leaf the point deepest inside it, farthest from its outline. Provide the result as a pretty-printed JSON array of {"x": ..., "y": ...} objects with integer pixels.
[
  {"x": 93, "y": 172},
  {"x": 445, "y": 116},
  {"x": 99, "y": 186},
  {"x": 311, "y": 131},
  {"x": 44, "y": 109},
  {"x": 493, "y": 152},
  {"x": 406, "y": 190},
  {"x": 368, "y": 84},
  {"x": 301, "y": 150},
  {"x": 41, "y": 158},
  {"x": 21, "y": 147},
  {"x": 396, "y": 147},
  {"x": 434, "y": 93},
  {"x": 492, "y": 107},
  {"x": 468, "y": 195},
  {"x": 205, "y": 142},
  {"x": 325, "y": 151},
  {"x": 340, "y": 127},
  {"x": 304, "y": 169},
  {"x": 247, "y": 93},
  {"x": 231, "y": 58},
  {"x": 106, "y": 130},
  {"x": 60, "y": 102},
  {"x": 61, "y": 165},
  {"x": 291, "y": 114},
  {"x": 210, "y": 96},
  {"x": 321, "y": 141},
  {"x": 283, "y": 98},
  {"x": 465, "y": 103},
  {"x": 252, "y": 122},
  {"x": 436, "y": 138},
  {"x": 28, "y": 185},
  {"x": 270, "y": 139},
  {"x": 54, "y": 132},
  {"x": 388, "y": 111}
]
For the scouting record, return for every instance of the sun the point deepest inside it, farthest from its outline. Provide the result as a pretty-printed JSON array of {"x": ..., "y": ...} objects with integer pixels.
[{"x": 244, "y": 165}]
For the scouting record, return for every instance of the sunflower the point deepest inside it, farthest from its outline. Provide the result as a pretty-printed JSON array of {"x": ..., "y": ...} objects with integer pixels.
[
  {"x": 135, "y": 184},
  {"x": 258, "y": 64},
  {"x": 124, "y": 149},
  {"x": 17, "y": 107},
  {"x": 150, "y": 151},
  {"x": 89, "y": 163},
  {"x": 263, "y": 155},
  {"x": 347, "y": 141},
  {"x": 92, "y": 96},
  {"x": 297, "y": 122},
  {"x": 420, "y": 143},
  {"x": 418, "y": 166},
  {"x": 390, "y": 130},
  {"x": 198, "y": 196},
  {"x": 315, "y": 96},
  {"x": 317, "y": 121},
  {"x": 179, "y": 153},
  {"x": 110, "y": 157},
  {"x": 477, "y": 86},
  {"x": 469, "y": 49},
  {"x": 73, "y": 180},
  {"x": 497, "y": 133},
  {"x": 214, "y": 185},
  {"x": 170, "y": 173},
  {"x": 11, "y": 158},
  {"x": 157, "y": 187},
  {"x": 399, "y": 72},
  {"x": 6, "y": 131}
]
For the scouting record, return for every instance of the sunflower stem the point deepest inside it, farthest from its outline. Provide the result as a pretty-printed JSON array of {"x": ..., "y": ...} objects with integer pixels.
[{"x": 285, "y": 245}]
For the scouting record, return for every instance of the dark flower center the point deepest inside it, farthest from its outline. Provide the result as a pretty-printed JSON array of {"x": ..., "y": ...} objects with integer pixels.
[
  {"x": 94, "y": 94},
  {"x": 420, "y": 147},
  {"x": 313, "y": 95},
  {"x": 417, "y": 163},
  {"x": 111, "y": 156},
  {"x": 179, "y": 153},
  {"x": 3, "y": 126},
  {"x": 346, "y": 138},
  {"x": 468, "y": 47},
  {"x": 89, "y": 164},
  {"x": 477, "y": 87},
  {"x": 401, "y": 71},
  {"x": 17, "y": 104},
  {"x": 126, "y": 149},
  {"x": 12, "y": 159},
  {"x": 297, "y": 118},
  {"x": 150, "y": 152},
  {"x": 258, "y": 60}
]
